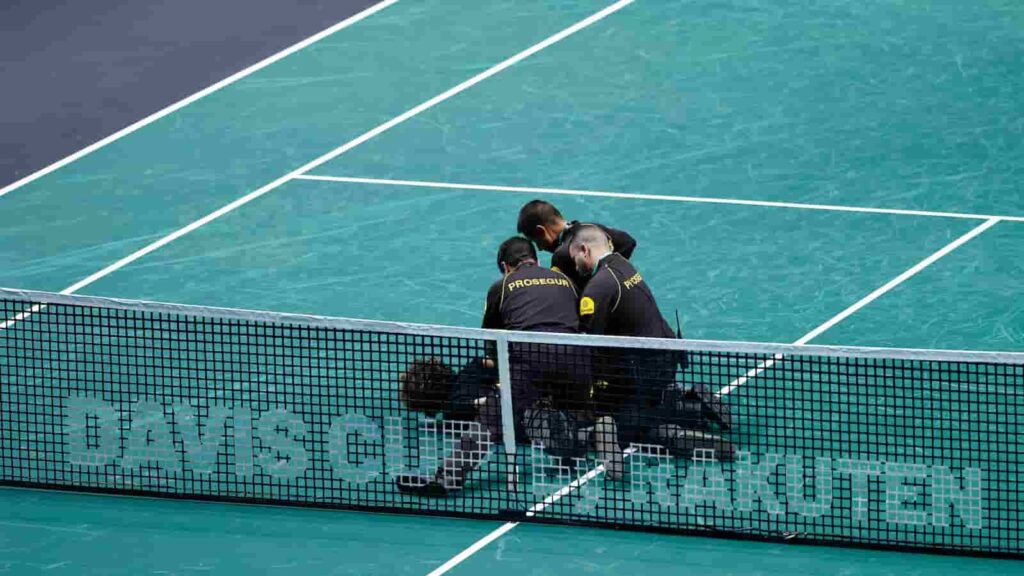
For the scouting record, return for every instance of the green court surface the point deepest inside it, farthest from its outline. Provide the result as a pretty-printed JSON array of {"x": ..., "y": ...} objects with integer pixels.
[
  {"x": 777, "y": 163},
  {"x": 64, "y": 533}
]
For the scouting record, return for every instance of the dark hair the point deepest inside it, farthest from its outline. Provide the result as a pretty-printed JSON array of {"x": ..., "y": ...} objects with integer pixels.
[
  {"x": 426, "y": 385},
  {"x": 536, "y": 213},
  {"x": 515, "y": 250}
]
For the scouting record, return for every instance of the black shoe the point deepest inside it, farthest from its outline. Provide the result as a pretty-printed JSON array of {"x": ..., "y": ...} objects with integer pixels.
[
  {"x": 422, "y": 485},
  {"x": 696, "y": 445},
  {"x": 712, "y": 406}
]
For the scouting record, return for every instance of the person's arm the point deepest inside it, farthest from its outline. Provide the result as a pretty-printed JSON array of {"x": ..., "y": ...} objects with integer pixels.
[
  {"x": 622, "y": 242},
  {"x": 599, "y": 300},
  {"x": 492, "y": 308},
  {"x": 492, "y": 317}
]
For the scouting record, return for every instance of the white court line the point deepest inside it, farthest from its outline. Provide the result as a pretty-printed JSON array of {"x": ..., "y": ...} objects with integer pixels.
[
  {"x": 458, "y": 558},
  {"x": 756, "y": 371},
  {"x": 667, "y": 198},
  {"x": 197, "y": 96},
  {"x": 533, "y": 511},
  {"x": 32, "y": 310},
  {"x": 569, "y": 488},
  {"x": 503, "y": 65}
]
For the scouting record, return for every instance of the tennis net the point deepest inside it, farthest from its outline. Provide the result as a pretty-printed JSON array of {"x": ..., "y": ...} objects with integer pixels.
[{"x": 907, "y": 449}]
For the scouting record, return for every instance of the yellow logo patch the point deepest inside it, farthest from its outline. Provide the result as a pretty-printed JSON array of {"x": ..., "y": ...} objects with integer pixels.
[{"x": 586, "y": 306}]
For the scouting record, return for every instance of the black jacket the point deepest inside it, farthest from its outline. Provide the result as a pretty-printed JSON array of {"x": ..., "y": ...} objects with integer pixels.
[
  {"x": 532, "y": 299},
  {"x": 536, "y": 299},
  {"x": 618, "y": 302}
]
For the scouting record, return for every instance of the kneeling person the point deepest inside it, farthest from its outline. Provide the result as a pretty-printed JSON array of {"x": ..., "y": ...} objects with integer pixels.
[
  {"x": 531, "y": 298},
  {"x": 639, "y": 400},
  {"x": 547, "y": 380},
  {"x": 470, "y": 404}
]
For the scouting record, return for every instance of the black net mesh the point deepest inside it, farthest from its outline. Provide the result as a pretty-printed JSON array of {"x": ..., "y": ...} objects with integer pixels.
[
  {"x": 881, "y": 452},
  {"x": 910, "y": 453}
]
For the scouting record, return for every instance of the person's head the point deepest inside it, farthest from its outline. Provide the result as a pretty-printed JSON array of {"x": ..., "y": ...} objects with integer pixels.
[
  {"x": 514, "y": 252},
  {"x": 542, "y": 223},
  {"x": 589, "y": 244},
  {"x": 426, "y": 385}
]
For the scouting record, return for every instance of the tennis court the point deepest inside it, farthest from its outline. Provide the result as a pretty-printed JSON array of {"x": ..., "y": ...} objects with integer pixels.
[{"x": 800, "y": 172}]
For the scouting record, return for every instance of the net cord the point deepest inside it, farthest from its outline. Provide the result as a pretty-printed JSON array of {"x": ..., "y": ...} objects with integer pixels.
[{"x": 414, "y": 329}]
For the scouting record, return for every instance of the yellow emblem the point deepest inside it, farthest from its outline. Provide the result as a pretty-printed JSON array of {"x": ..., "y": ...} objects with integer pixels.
[{"x": 586, "y": 306}]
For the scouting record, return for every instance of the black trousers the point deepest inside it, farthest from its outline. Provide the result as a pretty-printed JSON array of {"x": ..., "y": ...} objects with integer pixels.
[{"x": 638, "y": 389}]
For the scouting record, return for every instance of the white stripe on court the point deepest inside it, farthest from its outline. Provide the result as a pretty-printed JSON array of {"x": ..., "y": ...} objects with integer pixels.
[
  {"x": 664, "y": 197},
  {"x": 533, "y": 511},
  {"x": 757, "y": 370},
  {"x": 32, "y": 310},
  {"x": 197, "y": 96},
  {"x": 503, "y": 65},
  {"x": 570, "y": 488},
  {"x": 458, "y": 558}
]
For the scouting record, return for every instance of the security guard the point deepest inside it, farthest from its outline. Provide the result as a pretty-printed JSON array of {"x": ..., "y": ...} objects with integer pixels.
[
  {"x": 549, "y": 382},
  {"x": 542, "y": 223},
  {"x": 532, "y": 298},
  {"x": 616, "y": 300},
  {"x": 529, "y": 297},
  {"x": 640, "y": 393}
]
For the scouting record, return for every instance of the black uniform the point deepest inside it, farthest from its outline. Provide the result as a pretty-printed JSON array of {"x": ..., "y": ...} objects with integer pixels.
[
  {"x": 618, "y": 302},
  {"x": 545, "y": 379},
  {"x": 640, "y": 386},
  {"x": 536, "y": 299},
  {"x": 622, "y": 243},
  {"x": 532, "y": 299}
]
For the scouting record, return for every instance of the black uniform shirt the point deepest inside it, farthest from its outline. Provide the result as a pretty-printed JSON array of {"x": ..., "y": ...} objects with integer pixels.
[
  {"x": 618, "y": 302},
  {"x": 533, "y": 299},
  {"x": 622, "y": 243}
]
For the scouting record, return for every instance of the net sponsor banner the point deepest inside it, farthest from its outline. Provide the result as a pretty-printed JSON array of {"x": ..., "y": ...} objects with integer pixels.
[
  {"x": 235, "y": 450},
  {"x": 184, "y": 447},
  {"x": 817, "y": 497},
  {"x": 898, "y": 451}
]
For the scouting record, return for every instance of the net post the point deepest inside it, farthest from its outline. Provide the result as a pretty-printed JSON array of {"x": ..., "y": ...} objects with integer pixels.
[{"x": 508, "y": 426}]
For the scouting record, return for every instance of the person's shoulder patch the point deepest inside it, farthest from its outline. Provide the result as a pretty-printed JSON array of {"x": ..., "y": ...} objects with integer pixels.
[
  {"x": 556, "y": 269},
  {"x": 586, "y": 306}
]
